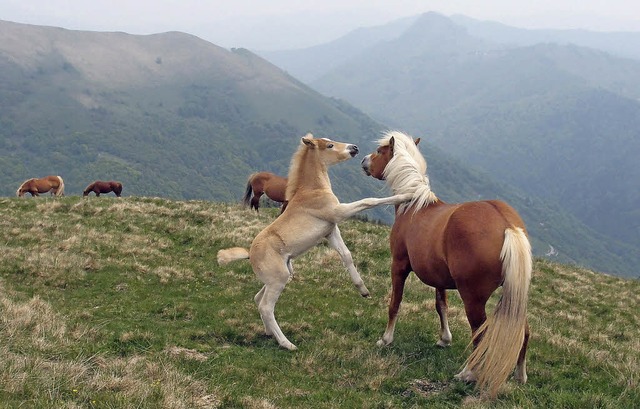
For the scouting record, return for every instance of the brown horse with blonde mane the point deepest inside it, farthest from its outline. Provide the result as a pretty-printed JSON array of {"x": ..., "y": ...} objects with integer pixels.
[
  {"x": 35, "y": 186},
  {"x": 473, "y": 247},
  {"x": 312, "y": 214},
  {"x": 267, "y": 183},
  {"x": 100, "y": 186}
]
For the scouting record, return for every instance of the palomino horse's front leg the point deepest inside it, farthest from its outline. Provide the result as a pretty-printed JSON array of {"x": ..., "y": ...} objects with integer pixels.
[
  {"x": 336, "y": 242},
  {"x": 345, "y": 210}
]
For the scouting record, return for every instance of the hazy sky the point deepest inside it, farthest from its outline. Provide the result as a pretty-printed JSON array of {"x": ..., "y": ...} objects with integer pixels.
[{"x": 278, "y": 24}]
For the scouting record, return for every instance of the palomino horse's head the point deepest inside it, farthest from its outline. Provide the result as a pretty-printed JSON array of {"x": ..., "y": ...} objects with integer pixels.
[
  {"x": 375, "y": 163},
  {"x": 330, "y": 152}
]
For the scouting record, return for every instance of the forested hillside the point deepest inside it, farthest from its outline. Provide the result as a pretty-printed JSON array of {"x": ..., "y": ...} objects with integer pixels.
[
  {"x": 174, "y": 116},
  {"x": 558, "y": 121}
]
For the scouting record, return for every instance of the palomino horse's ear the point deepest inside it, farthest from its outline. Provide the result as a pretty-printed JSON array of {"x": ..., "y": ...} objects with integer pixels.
[
  {"x": 308, "y": 140},
  {"x": 417, "y": 141},
  {"x": 392, "y": 144}
]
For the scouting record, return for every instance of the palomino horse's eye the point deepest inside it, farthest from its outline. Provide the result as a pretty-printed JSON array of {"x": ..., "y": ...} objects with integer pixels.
[{"x": 329, "y": 146}]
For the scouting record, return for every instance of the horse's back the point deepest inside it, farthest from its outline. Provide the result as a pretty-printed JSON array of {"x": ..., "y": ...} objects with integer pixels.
[{"x": 454, "y": 242}]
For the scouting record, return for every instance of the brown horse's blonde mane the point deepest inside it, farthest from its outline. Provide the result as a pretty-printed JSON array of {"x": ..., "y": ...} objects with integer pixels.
[
  {"x": 300, "y": 175},
  {"x": 406, "y": 172},
  {"x": 22, "y": 185}
]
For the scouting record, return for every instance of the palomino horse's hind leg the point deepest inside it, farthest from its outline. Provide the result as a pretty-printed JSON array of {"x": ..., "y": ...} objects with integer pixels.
[
  {"x": 441, "y": 308},
  {"x": 336, "y": 242},
  {"x": 267, "y": 306},
  {"x": 521, "y": 367},
  {"x": 399, "y": 273},
  {"x": 258, "y": 297}
]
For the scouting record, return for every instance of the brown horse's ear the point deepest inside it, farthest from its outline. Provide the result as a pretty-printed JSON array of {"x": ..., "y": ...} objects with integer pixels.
[
  {"x": 417, "y": 141},
  {"x": 308, "y": 140},
  {"x": 392, "y": 144}
]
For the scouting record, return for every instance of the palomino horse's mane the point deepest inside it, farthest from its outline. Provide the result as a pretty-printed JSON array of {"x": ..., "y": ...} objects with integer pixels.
[
  {"x": 295, "y": 178},
  {"x": 406, "y": 172}
]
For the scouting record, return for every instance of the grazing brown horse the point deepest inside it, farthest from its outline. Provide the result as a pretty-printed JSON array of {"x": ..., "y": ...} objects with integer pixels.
[
  {"x": 35, "y": 186},
  {"x": 268, "y": 183},
  {"x": 473, "y": 247},
  {"x": 100, "y": 186},
  {"x": 313, "y": 213}
]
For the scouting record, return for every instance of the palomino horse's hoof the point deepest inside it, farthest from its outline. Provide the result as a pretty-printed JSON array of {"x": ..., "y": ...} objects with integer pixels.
[
  {"x": 289, "y": 346},
  {"x": 443, "y": 344}
]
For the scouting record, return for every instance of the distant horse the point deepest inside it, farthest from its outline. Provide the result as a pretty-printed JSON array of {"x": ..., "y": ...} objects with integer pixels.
[
  {"x": 474, "y": 247},
  {"x": 313, "y": 213},
  {"x": 100, "y": 186},
  {"x": 268, "y": 183},
  {"x": 35, "y": 186}
]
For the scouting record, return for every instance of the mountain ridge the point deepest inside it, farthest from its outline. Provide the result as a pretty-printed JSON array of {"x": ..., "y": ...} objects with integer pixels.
[{"x": 198, "y": 134}]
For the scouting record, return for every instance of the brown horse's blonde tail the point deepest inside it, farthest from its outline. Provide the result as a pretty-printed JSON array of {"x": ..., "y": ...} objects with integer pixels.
[
  {"x": 226, "y": 256},
  {"x": 60, "y": 191},
  {"x": 246, "y": 200},
  {"x": 496, "y": 355}
]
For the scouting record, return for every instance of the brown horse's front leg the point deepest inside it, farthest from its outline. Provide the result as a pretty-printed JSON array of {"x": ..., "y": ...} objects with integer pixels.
[
  {"x": 442, "y": 308},
  {"x": 399, "y": 272}
]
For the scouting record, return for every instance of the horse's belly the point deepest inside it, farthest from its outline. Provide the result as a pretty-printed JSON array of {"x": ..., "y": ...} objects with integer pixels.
[
  {"x": 432, "y": 270},
  {"x": 300, "y": 240}
]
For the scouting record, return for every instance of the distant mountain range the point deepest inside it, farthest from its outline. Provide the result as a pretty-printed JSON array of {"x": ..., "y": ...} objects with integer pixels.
[
  {"x": 559, "y": 121},
  {"x": 172, "y": 115}
]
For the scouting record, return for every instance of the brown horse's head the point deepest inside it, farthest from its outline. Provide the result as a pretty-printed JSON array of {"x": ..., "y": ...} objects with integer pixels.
[
  {"x": 375, "y": 163},
  {"x": 25, "y": 187}
]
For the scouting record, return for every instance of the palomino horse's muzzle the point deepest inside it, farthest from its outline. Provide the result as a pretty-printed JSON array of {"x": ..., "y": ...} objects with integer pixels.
[{"x": 353, "y": 150}]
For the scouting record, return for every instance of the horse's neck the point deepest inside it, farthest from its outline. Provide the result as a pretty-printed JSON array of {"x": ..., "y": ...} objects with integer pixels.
[{"x": 307, "y": 172}]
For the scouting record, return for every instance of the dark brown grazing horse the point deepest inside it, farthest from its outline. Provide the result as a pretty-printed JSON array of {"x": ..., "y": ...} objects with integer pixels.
[
  {"x": 35, "y": 186},
  {"x": 100, "y": 186},
  {"x": 268, "y": 183},
  {"x": 474, "y": 247}
]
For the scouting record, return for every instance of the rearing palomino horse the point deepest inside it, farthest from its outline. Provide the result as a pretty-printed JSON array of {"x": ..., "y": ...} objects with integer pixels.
[
  {"x": 35, "y": 186},
  {"x": 313, "y": 213},
  {"x": 474, "y": 247},
  {"x": 100, "y": 186},
  {"x": 260, "y": 183}
]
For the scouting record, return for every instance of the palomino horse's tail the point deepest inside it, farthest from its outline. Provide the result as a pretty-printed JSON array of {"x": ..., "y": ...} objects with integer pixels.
[
  {"x": 60, "y": 191},
  {"x": 231, "y": 254},
  {"x": 496, "y": 354},
  {"x": 246, "y": 200}
]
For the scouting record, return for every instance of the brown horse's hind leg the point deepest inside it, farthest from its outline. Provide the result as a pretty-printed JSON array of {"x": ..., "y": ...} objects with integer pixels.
[
  {"x": 255, "y": 200},
  {"x": 474, "y": 306},
  {"x": 399, "y": 274},
  {"x": 521, "y": 366},
  {"x": 441, "y": 308}
]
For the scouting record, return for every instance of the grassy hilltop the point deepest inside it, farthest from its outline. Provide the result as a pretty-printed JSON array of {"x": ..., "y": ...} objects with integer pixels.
[{"x": 110, "y": 303}]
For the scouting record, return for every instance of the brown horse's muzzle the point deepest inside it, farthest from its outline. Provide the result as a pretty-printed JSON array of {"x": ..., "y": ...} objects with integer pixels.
[{"x": 365, "y": 164}]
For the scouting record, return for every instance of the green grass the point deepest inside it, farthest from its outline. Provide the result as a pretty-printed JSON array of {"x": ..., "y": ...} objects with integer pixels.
[{"x": 109, "y": 303}]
